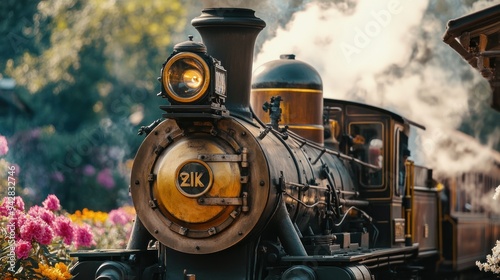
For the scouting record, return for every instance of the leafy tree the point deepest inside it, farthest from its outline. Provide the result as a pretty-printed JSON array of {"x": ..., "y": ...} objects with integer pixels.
[
  {"x": 19, "y": 30},
  {"x": 88, "y": 70}
]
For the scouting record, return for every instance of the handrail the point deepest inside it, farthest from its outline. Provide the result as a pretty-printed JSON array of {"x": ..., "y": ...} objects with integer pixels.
[
  {"x": 309, "y": 143},
  {"x": 408, "y": 201}
]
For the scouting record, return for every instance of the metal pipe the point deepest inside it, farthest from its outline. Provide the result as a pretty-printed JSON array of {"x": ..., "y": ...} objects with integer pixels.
[
  {"x": 287, "y": 233},
  {"x": 408, "y": 201},
  {"x": 358, "y": 203},
  {"x": 140, "y": 236}
]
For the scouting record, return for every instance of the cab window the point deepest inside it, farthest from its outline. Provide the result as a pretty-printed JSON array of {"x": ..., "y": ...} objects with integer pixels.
[
  {"x": 368, "y": 146},
  {"x": 402, "y": 154}
]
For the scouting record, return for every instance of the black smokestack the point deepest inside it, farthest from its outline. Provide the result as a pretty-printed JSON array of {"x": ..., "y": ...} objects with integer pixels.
[{"x": 229, "y": 35}]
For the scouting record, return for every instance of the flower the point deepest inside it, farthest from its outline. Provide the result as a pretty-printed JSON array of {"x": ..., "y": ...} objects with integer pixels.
[
  {"x": 4, "y": 208},
  {"x": 19, "y": 219},
  {"x": 45, "y": 236},
  {"x": 7, "y": 202},
  {"x": 23, "y": 249},
  {"x": 4, "y": 148},
  {"x": 110, "y": 230},
  {"x": 42, "y": 238},
  {"x": 51, "y": 203},
  {"x": 19, "y": 203},
  {"x": 88, "y": 170},
  {"x": 119, "y": 217},
  {"x": 83, "y": 236},
  {"x": 57, "y": 272},
  {"x": 64, "y": 228},
  {"x": 105, "y": 178},
  {"x": 43, "y": 213},
  {"x": 29, "y": 228},
  {"x": 36, "y": 229},
  {"x": 492, "y": 260},
  {"x": 89, "y": 216}
]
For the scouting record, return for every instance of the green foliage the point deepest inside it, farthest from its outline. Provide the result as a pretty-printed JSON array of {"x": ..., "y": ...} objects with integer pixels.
[
  {"x": 20, "y": 29},
  {"x": 482, "y": 120},
  {"x": 88, "y": 70}
]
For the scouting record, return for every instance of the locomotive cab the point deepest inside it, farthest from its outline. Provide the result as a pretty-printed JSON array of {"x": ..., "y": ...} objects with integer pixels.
[
  {"x": 374, "y": 136},
  {"x": 403, "y": 196}
]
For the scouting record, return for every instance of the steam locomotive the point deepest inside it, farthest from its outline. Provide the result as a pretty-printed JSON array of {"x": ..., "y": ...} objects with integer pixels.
[{"x": 266, "y": 179}]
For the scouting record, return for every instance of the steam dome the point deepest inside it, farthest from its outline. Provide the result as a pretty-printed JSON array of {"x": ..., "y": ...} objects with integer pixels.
[{"x": 301, "y": 89}]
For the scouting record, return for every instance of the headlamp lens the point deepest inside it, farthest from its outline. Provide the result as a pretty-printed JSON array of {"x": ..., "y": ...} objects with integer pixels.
[
  {"x": 193, "y": 78},
  {"x": 186, "y": 77}
]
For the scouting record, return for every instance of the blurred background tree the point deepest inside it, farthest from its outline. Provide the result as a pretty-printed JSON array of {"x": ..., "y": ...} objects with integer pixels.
[{"x": 87, "y": 72}]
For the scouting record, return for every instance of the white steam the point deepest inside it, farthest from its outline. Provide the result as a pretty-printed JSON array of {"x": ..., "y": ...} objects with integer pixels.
[
  {"x": 388, "y": 54},
  {"x": 373, "y": 54}
]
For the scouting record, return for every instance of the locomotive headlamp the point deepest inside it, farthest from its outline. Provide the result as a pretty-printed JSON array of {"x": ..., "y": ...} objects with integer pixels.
[
  {"x": 193, "y": 82},
  {"x": 186, "y": 77}
]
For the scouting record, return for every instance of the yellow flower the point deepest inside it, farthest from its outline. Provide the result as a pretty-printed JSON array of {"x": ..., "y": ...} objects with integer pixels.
[
  {"x": 58, "y": 272},
  {"x": 89, "y": 216},
  {"x": 129, "y": 209}
]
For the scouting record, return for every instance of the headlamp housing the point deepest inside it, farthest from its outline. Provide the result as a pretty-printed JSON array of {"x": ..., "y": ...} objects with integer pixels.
[{"x": 193, "y": 82}]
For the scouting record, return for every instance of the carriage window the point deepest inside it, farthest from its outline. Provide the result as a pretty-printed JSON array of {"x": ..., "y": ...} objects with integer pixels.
[{"x": 368, "y": 146}]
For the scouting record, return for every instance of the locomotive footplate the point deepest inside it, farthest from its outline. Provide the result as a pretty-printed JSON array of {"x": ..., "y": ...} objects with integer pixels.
[
  {"x": 141, "y": 264},
  {"x": 352, "y": 265},
  {"x": 369, "y": 257}
]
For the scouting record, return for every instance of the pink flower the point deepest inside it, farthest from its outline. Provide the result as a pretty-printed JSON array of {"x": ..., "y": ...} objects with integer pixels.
[
  {"x": 19, "y": 203},
  {"x": 45, "y": 236},
  {"x": 9, "y": 205},
  {"x": 19, "y": 219},
  {"x": 4, "y": 208},
  {"x": 63, "y": 227},
  {"x": 4, "y": 148},
  {"x": 23, "y": 249},
  {"x": 28, "y": 229},
  {"x": 88, "y": 170},
  {"x": 119, "y": 217},
  {"x": 83, "y": 236},
  {"x": 34, "y": 228},
  {"x": 105, "y": 178},
  {"x": 52, "y": 203},
  {"x": 43, "y": 213}
]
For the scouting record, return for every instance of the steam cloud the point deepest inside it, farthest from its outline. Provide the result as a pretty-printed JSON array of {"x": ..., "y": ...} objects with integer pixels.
[{"x": 384, "y": 53}]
